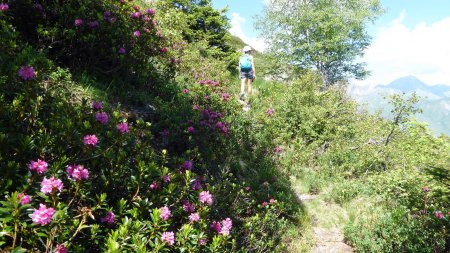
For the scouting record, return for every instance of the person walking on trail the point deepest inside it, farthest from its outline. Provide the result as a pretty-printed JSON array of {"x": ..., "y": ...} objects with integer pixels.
[{"x": 247, "y": 72}]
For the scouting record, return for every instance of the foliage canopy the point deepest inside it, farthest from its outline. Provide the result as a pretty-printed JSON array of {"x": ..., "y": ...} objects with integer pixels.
[{"x": 327, "y": 35}]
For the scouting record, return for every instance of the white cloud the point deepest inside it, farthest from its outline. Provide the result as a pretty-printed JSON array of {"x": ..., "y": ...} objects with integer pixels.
[
  {"x": 397, "y": 51},
  {"x": 237, "y": 21}
]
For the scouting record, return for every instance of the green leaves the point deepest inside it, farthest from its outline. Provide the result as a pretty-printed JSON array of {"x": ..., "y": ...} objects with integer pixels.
[{"x": 327, "y": 36}]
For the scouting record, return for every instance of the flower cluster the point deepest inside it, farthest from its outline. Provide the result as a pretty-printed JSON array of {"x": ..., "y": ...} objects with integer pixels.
[
  {"x": 223, "y": 227},
  {"x": 102, "y": 117},
  {"x": 206, "y": 198},
  {"x": 188, "y": 206},
  {"x": 39, "y": 166},
  {"x": 24, "y": 198},
  {"x": 187, "y": 165},
  {"x": 43, "y": 215},
  {"x": 27, "y": 73},
  {"x": 212, "y": 119},
  {"x": 122, "y": 128},
  {"x": 109, "y": 218},
  {"x": 209, "y": 83},
  {"x": 194, "y": 217},
  {"x": 4, "y": 7},
  {"x": 165, "y": 213},
  {"x": 77, "y": 172},
  {"x": 97, "y": 105},
  {"x": 90, "y": 140},
  {"x": 168, "y": 237},
  {"x": 50, "y": 185}
]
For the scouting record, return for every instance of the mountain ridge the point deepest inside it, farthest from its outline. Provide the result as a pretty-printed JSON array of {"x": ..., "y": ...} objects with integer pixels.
[{"x": 411, "y": 83}]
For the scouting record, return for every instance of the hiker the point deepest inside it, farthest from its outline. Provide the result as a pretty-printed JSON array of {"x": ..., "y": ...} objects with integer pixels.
[{"x": 247, "y": 72}]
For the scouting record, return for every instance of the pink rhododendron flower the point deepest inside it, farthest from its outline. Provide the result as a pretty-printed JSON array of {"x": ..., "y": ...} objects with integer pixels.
[
  {"x": 224, "y": 130},
  {"x": 187, "y": 165},
  {"x": 97, "y": 105},
  {"x": 136, "y": 14},
  {"x": 94, "y": 24},
  {"x": 219, "y": 125},
  {"x": 102, "y": 117},
  {"x": 39, "y": 166},
  {"x": 146, "y": 19},
  {"x": 51, "y": 184},
  {"x": 272, "y": 201},
  {"x": 27, "y": 73},
  {"x": 38, "y": 7},
  {"x": 90, "y": 140},
  {"x": 4, "y": 7},
  {"x": 264, "y": 204},
  {"x": 425, "y": 189},
  {"x": 109, "y": 218},
  {"x": 165, "y": 213},
  {"x": 122, "y": 127},
  {"x": 188, "y": 206},
  {"x": 195, "y": 107},
  {"x": 163, "y": 50},
  {"x": 78, "y": 22},
  {"x": 154, "y": 186},
  {"x": 191, "y": 130},
  {"x": 168, "y": 237},
  {"x": 61, "y": 249},
  {"x": 43, "y": 215},
  {"x": 151, "y": 12},
  {"x": 215, "y": 226},
  {"x": 439, "y": 215},
  {"x": 106, "y": 15},
  {"x": 196, "y": 184},
  {"x": 158, "y": 33},
  {"x": 122, "y": 50},
  {"x": 135, "y": 7},
  {"x": 225, "y": 96},
  {"x": 205, "y": 197},
  {"x": 278, "y": 150},
  {"x": 194, "y": 217},
  {"x": 227, "y": 224},
  {"x": 166, "y": 178},
  {"x": 137, "y": 34},
  {"x": 185, "y": 91},
  {"x": 77, "y": 172},
  {"x": 270, "y": 111},
  {"x": 24, "y": 198}
]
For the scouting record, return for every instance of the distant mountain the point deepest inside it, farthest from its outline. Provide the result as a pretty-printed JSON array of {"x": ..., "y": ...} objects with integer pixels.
[
  {"x": 435, "y": 101},
  {"x": 409, "y": 84}
]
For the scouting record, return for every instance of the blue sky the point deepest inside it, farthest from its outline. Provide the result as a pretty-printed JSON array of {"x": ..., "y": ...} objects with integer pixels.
[{"x": 411, "y": 38}]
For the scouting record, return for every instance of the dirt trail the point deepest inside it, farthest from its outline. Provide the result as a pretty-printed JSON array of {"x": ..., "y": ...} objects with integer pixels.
[{"x": 326, "y": 219}]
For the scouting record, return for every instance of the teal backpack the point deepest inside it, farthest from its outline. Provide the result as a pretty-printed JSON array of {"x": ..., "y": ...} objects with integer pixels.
[{"x": 246, "y": 63}]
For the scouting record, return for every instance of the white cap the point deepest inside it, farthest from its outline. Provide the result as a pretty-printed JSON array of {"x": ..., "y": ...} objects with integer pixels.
[{"x": 247, "y": 49}]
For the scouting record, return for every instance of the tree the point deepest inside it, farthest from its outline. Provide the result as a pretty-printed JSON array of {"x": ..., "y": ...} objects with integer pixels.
[
  {"x": 326, "y": 35},
  {"x": 205, "y": 23}
]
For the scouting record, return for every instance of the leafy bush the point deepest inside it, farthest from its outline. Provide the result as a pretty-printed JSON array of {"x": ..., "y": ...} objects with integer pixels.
[
  {"x": 91, "y": 176},
  {"x": 109, "y": 38}
]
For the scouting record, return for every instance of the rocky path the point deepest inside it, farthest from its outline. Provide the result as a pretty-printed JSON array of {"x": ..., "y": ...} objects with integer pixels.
[{"x": 326, "y": 219}]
